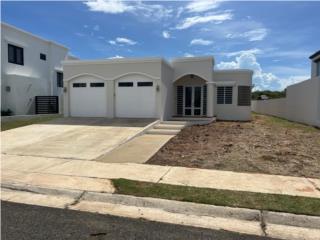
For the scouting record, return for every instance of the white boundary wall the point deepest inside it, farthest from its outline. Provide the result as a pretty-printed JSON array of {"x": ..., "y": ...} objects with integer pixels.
[{"x": 302, "y": 103}]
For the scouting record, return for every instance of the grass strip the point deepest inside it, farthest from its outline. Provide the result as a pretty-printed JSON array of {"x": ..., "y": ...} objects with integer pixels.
[
  {"x": 241, "y": 199},
  {"x": 24, "y": 122}
]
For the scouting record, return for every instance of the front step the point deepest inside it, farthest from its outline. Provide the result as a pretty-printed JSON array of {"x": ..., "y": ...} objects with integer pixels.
[
  {"x": 182, "y": 123},
  {"x": 163, "y": 131},
  {"x": 169, "y": 126}
]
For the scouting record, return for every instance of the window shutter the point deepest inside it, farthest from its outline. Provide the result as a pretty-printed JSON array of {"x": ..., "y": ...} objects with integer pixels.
[
  {"x": 244, "y": 96},
  {"x": 179, "y": 100},
  {"x": 204, "y": 104},
  {"x": 228, "y": 95}
]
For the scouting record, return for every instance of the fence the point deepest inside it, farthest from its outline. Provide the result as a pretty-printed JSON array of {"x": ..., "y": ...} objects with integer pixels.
[
  {"x": 47, "y": 104},
  {"x": 302, "y": 103}
]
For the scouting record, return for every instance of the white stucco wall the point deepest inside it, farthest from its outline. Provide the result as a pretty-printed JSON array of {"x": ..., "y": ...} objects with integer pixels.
[
  {"x": 302, "y": 103},
  {"x": 232, "y": 78},
  {"x": 36, "y": 77}
]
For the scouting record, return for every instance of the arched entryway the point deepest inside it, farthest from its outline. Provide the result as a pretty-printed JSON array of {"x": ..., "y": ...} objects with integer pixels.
[{"x": 191, "y": 96}]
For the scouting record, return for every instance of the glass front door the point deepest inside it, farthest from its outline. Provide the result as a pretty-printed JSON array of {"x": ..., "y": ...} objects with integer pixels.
[{"x": 192, "y": 101}]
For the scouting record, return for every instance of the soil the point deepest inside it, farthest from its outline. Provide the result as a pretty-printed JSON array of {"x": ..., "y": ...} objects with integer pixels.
[{"x": 264, "y": 145}]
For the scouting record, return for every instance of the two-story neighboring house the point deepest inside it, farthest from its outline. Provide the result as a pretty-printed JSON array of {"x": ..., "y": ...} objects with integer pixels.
[{"x": 30, "y": 66}]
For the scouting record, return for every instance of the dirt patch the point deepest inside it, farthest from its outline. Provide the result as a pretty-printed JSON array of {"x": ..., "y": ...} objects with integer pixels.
[{"x": 265, "y": 145}]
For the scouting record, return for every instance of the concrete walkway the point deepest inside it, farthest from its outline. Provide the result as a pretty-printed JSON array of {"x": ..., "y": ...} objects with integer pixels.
[
  {"x": 15, "y": 169},
  {"x": 138, "y": 150}
]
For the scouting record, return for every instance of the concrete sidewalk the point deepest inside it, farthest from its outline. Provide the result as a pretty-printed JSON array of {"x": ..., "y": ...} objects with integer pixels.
[{"x": 93, "y": 176}]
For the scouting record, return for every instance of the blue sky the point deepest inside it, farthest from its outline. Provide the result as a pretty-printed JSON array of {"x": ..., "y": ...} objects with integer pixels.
[{"x": 272, "y": 38}]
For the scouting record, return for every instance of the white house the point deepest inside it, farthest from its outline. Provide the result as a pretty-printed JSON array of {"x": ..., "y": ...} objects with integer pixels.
[
  {"x": 155, "y": 88},
  {"x": 30, "y": 66}
]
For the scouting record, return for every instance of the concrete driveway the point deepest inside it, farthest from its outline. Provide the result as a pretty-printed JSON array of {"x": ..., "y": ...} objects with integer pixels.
[{"x": 71, "y": 138}]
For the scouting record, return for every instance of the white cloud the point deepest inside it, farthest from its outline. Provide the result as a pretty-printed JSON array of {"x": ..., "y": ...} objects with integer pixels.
[
  {"x": 151, "y": 11},
  {"x": 236, "y": 53},
  {"x": 213, "y": 17},
  {"x": 202, "y": 5},
  {"x": 116, "y": 57},
  {"x": 96, "y": 28},
  {"x": 109, "y": 6},
  {"x": 252, "y": 35},
  {"x": 188, "y": 55},
  {"x": 166, "y": 34},
  {"x": 122, "y": 41},
  {"x": 261, "y": 79},
  {"x": 200, "y": 41},
  {"x": 125, "y": 41}
]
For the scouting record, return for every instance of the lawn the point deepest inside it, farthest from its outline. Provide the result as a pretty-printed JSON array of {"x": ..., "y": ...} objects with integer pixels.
[
  {"x": 260, "y": 201},
  {"x": 265, "y": 145},
  {"x": 7, "y": 125}
]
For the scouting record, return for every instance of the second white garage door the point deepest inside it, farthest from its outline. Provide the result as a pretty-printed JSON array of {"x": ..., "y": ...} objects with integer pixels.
[
  {"x": 135, "y": 97},
  {"x": 88, "y": 97}
]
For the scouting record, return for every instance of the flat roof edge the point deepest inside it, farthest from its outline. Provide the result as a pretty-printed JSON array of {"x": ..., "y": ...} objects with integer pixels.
[
  {"x": 33, "y": 35},
  {"x": 111, "y": 61},
  {"x": 191, "y": 59},
  {"x": 233, "y": 70},
  {"x": 316, "y": 54}
]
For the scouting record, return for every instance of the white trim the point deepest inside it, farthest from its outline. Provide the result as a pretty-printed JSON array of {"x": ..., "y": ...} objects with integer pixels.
[
  {"x": 85, "y": 74},
  {"x": 186, "y": 74},
  {"x": 112, "y": 79},
  {"x": 135, "y": 73}
]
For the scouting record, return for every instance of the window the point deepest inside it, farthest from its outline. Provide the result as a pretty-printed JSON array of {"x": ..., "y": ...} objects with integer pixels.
[
  {"x": 97, "y": 84},
  {"x": 318, "y": 68},
  {"x": 224, "y": 95},
  {"x": 145, "y": 84},
  {"x": 15, "y": 54},
  {"x": 125, "y": 84},
  {"x": 78, "y": 85},
  {"x": 244, "y": 95},
  {"x": 43, "y": 56},
  {"x": 59, "y": 79}
]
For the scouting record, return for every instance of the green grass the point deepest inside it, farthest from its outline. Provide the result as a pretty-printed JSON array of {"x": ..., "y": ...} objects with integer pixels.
[
  {"x": 24, "y": 122},
  {"x": 261, "y": 201},
  {"x": 281, "y": 122}
]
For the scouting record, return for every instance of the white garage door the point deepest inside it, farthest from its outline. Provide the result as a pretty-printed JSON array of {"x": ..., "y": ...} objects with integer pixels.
[
  {"x": 136, "y": 97},
  {"x": 88, "y": 97}
]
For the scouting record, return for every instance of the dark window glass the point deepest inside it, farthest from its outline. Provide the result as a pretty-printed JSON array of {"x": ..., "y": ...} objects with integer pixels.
[
  {"x": 197, "y": 97},
  {"x": 15, "y": 54},
  {"x": 97, "y": 84},
  {"x": 244, "y": 95},
  {"x": 187, "y": 111},
  {"x": 224, "y": 95},
  {"x": 78, "y": 85},
  {"x": 59, "y": 79},
  {"x": 43, "y": 56},
  {"x": 145, "y": 84},
  {"x": 197, "y": 112},
  {"x": 188, "y": 97},
  {"x": 125, "y": 84}
]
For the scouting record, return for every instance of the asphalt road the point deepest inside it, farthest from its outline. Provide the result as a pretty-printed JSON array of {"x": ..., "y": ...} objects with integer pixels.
[{"x": 26, "y": 222}]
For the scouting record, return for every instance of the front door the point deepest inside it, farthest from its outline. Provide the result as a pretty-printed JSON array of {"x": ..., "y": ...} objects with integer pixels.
[{"x": 192, "y": 101}]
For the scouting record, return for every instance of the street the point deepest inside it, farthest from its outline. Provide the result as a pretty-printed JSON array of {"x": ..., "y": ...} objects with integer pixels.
[{"x": 24, "y": 222}]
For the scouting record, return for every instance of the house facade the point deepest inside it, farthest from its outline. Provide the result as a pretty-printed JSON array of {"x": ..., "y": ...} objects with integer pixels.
[
  {"x": 155, "y": 88},
  {"x": 30, "y": 66}
]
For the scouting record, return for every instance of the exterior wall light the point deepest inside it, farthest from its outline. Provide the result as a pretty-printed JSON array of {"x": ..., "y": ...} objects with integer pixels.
[
  {"x": 158, "y": 88},
  {"x": 65, "y": 89}
]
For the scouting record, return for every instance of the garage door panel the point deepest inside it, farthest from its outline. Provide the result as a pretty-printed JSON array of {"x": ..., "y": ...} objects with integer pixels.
[
  {"x": 88, "y": 98},
  {"x": 137, "y": 99}
]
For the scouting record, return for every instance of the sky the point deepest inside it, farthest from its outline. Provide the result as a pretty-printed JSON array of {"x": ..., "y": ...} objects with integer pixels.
[{"x": 275, "y": 39}]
